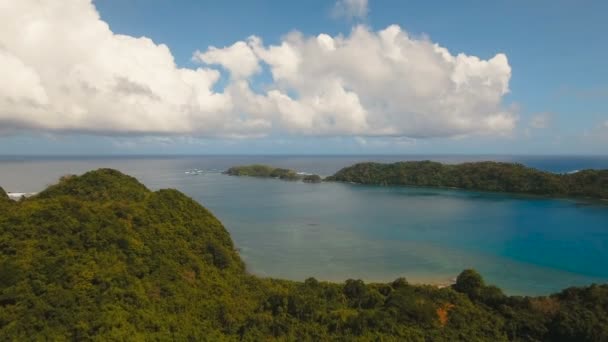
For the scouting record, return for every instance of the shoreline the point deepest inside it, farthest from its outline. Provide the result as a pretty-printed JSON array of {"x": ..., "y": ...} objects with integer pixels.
[
  {"x": 602, "y": 201},
  {"x": 514, "y": 194}
]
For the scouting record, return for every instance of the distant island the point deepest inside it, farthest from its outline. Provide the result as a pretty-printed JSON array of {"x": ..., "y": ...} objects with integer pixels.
[
  {"x": 482, "y": 176},
  {"x": 265, "y": 171},
  {"x": 101, "y": 257}
]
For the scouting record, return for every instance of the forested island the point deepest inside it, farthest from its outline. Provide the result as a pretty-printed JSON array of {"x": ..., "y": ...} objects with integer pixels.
[
  {"x": 265, "y": 171},
  {"x": 99, "y": 256},
  {"x": 483, "y": 176}
]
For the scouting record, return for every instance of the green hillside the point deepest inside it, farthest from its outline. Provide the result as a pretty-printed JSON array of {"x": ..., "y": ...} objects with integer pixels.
[
  {"x": 3, "y": 195},
  {"x": 484, "y": 176},
  {"x": 101, "y": 257}
]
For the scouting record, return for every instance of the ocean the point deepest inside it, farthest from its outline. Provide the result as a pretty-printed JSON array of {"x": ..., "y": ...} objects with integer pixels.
[{"x": 525, "y": 245}]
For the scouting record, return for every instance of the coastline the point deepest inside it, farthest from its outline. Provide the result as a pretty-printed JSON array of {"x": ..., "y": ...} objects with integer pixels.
[
  {"x": 513, "y": 194},
  {"x": 601, "y": 201}
]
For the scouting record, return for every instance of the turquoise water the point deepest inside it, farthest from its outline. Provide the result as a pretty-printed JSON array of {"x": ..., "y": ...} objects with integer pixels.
[{"x": 334, "y": 231}]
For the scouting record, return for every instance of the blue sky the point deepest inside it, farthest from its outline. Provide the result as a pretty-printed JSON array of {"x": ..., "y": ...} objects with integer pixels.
[{"x": 556, "y": 50}]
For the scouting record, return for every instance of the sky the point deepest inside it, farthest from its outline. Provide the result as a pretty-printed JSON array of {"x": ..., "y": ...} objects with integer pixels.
[{"x": 303, "y": 77}]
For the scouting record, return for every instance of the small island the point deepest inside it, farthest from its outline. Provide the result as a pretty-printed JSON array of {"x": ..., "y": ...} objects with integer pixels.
[
  {"x": 481, "y": 176},
  {"x": 266, "y": 171}
]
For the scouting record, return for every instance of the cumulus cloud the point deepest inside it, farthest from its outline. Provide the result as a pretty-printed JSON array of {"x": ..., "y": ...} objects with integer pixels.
[
  {"x": 238, "y": 59},
  {"x": 351, "y": 9},
  {"x": 64, "y": 70},
  {"x": 383, "y": 83}
]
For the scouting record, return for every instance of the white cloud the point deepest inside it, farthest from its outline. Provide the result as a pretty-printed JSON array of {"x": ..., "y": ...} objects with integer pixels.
[
  {"x": 238, "y": 59},
  {"x": 384, "y": 83},
  {"x": 392, "y": 142},
  {"x": 351, "y": 9},
  {"x": 64, "y": 70}
]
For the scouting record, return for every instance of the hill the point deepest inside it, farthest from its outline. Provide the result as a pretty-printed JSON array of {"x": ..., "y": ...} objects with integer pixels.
[
  {"x": 101, "y": 257},
  {"x": 484, "y": 176}
]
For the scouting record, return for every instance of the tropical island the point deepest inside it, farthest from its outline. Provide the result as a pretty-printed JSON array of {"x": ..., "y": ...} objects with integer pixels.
[
  {"x": 265, "y": 171},
  {"x": 99, "y": 256},
  {"x": 480, "y": 176},
  {"x": 483, "y": 176}
]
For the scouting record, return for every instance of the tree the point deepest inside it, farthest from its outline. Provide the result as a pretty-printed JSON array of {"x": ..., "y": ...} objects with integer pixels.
[
  {"x": 470, "y": 282},
  {"x": 399, "y": 282},
  {"x": 312, "y": 179}
]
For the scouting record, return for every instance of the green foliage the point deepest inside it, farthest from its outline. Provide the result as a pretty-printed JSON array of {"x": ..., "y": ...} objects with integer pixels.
[
  {"x": 582, "y": 316},
  {"x": 5, "y": 201},
  {"x": 469, "y": 282},
  {"x": 99, "y": 185},
  {"x": 484, "y": 176},
  {"x": 3, "y": 195},
  {"x": 409, "y": 305},
  {"x": 399, "y": 282},
  {"x": 265, "y": 171},
  {"x": 100, "y": 257},
  {"x": 257, "y": 170},
  {"x": 312, "y": 179}
]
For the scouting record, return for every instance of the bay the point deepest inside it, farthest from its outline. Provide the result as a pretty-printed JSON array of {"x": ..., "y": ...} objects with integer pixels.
[{"x": 525, "y": 245}]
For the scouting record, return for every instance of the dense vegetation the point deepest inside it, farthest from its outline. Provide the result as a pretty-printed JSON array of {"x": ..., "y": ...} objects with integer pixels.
[
  {"x": 485, "y": 176},
  {"x": 258, "y": 170},
  {"x": 100, "y": 257},
  {"x": 3, "y": 195},
  {"x": 312, "y": 179}
]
